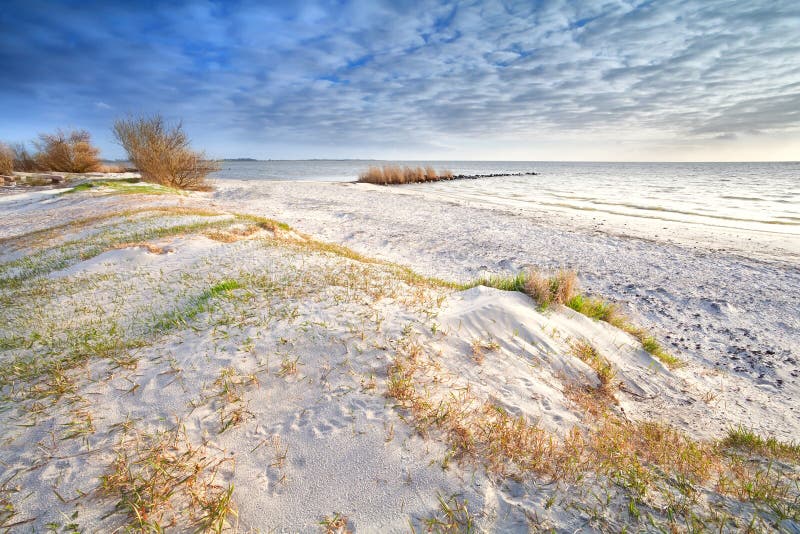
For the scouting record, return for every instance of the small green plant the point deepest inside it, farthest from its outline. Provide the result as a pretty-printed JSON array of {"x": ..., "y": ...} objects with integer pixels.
[
  {"x": 504, "y": 283},
  {"x": 288, "y": 367},
  {"x": 454, "y": 517},
  {"x": 229, "y": 389},
  {"x": 335, "y": 524},
  {"x": 594, "y": 308}
]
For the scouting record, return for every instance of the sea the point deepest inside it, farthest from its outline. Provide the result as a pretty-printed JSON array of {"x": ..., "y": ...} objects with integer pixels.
[{"x": 752, "y": 196}]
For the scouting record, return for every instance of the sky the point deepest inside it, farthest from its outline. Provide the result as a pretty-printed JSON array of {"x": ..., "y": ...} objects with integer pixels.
[{"x": 659, "y": 80}]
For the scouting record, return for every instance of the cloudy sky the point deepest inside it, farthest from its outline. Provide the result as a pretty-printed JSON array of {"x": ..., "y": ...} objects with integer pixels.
[{"x": 533, "y": 80}]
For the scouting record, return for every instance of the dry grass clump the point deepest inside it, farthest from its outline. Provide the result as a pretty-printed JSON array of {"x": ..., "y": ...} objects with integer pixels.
[
  {"x": 335, "y": 524},
  {"x": 64, "y": 152},
  {"x": 394, "y": 174},
  {"x": 163, "y": 481},
  {"x": 478, "y": 347},
  {"x": 588, "y": 354},
  {"x": 473, "y": 429},
  {"x": 113, "y": 169},
  {"x": 162, "y": 153},
  {"x": 649, "y": 461},
  {"x": 636, "y": 455},
  {"x": 558, "y": 289},
  {"x": 149, "y": 247},
  {"x": 229, "y": 390},
  {"x": 6, "y": 160}
]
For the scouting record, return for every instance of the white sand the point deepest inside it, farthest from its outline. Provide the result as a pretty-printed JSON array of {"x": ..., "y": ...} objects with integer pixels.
[
  {"x": 736, "y": 318},
  {"x": 325, "y": 438}
]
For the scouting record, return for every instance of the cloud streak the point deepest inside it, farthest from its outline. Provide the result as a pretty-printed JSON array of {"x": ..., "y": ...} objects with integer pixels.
[{"x": 366, "y": 78}]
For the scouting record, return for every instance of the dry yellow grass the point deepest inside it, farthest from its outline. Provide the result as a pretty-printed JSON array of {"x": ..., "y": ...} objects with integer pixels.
[
  {"x": 547, "y": 290},
  {"x": 645, "y": 459},
  {"x": 149, "y": 247},
  {"x": 588, "y": 354},
  {"x": 111, "y": 168},
  {"x": 162, "y": 481},
  {"x": 234, "y": 233},
  {"x": 394, "y": 174}
]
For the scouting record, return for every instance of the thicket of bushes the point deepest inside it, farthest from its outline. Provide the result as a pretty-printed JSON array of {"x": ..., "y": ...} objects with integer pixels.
[
  {"x": 63, "y": 152},
  {"x": 59, "y": 151},
  {"x": 6, "y": 160},
  {"x": 162, "y": 153}
]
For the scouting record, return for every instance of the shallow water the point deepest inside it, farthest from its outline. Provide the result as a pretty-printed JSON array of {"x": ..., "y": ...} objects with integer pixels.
[{"x": 753, "y": 196}]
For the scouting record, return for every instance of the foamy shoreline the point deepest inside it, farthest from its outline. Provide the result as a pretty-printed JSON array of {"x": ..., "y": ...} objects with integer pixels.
[{"x": 309, "y": 383}]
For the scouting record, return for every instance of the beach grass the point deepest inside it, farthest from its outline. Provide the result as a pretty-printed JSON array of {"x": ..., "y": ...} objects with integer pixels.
[
  {"x": 748, "y": 441},
  {"x": 153, "y": 471}
]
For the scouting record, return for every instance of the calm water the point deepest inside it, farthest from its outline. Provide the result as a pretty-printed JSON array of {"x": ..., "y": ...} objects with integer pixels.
[{"x": 756, "y": 196}]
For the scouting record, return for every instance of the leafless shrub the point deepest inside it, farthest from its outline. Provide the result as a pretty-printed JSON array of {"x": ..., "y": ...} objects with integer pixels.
[
  {"x": 162, "y": 153},
  {"x": 64, "y": 152},
  {"x": 6, "y": 160},
  {"x": 24, "y": 161}
]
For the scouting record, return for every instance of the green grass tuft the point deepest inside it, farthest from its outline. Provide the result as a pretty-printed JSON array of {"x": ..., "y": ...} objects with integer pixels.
[
  {"x": 123, "y": 187},
  {"x": 504, "y": 283},
  {"x": 748, "y": 441}
]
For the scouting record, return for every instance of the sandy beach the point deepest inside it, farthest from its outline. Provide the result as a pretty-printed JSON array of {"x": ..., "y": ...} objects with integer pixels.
[
  {"x": 189, "y": 361},
  {"x": 721, "y": 309},
  {"x": 400, "y": 267}
]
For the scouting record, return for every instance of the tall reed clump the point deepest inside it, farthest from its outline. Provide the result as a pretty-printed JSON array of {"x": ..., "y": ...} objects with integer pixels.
[
  {"x": 394, "y": 174},
  {"x": 6, "y": 160},
  {"x": 162, "y": 153},
  {"x": 66, "y": 152}
]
